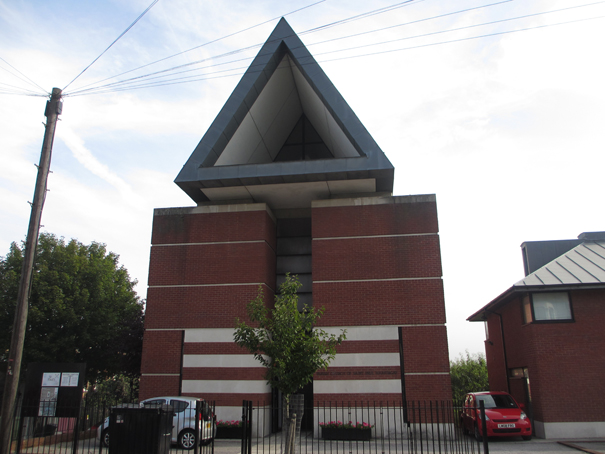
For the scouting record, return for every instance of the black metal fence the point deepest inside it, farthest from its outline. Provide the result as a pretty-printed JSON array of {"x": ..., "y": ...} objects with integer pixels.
[
  {"x": 367, "y": 427},
  {"x": 119, "y": 429},
  {"x": 326, "y": 428}
]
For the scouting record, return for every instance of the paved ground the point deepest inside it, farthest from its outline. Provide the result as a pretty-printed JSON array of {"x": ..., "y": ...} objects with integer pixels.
[
  {"x": 547, "y": 446},
  {"x": 512, "y": 446}
]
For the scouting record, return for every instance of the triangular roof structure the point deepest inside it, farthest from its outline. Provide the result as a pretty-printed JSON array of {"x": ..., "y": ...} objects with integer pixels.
[{"x": 285, "y": 137}]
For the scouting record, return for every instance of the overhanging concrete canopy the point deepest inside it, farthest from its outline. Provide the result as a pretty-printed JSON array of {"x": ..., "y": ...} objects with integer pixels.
[{"x": 235, "y": 160}]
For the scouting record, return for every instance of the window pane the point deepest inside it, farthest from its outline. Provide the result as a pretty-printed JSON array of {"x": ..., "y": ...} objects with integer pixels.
[{"x": 551, "y": 306}]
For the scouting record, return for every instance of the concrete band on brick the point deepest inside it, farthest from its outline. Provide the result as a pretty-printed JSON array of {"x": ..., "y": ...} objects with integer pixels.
[{"x": 361, "y": 201}]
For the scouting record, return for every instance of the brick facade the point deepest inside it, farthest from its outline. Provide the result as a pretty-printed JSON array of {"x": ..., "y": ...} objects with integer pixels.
[
  {"x": 564, "y": 360},
  {"x": 375, "y": 266}
]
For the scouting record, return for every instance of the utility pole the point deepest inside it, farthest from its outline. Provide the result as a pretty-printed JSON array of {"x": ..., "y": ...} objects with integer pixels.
[{"x": 11, "y": 385}]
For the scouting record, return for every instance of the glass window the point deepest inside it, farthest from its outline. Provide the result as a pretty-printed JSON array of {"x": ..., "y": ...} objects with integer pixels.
[
  {"x": 496, "y": 401},
  {"x": 179, "y": 405},
  {"x": 154, "y": 403},
  {"x": 551, "y": 306}
]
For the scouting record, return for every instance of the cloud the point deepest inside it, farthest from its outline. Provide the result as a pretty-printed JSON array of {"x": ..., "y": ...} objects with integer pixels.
[{"x": 85, "y": 157}]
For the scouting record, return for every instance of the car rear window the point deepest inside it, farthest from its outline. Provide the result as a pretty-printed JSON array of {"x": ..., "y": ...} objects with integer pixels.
[
  {"x": 179, "y": 405},
  {"x": 497, "y": 401},
  {"x": 153, "y": 403}
]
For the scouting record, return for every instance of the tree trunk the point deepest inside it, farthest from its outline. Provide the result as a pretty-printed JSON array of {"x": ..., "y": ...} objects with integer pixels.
[{"x": 294, "y": 406}]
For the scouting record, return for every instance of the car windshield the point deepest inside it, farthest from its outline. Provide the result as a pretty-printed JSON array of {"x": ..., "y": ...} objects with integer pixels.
[{"x": 497, "y": 401}]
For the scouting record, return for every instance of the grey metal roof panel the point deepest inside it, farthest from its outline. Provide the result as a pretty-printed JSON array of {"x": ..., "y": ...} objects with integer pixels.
[{"x": 584, "y": 264}]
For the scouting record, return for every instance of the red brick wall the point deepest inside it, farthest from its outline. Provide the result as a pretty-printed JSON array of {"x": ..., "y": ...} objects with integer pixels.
[
  {"x": 380, "y": 264},
  {"x": 565, "y": 360},
  {"x": 403, "y": 302},
  {"x": 182, "y": 228},
  {"x": 162, "y": 356},
  {"x": 390, "y": 276},
  {"x": 385, "y": 219},
  {"x": 199, "y": 261},
  {"x": 199, "y": 307}
]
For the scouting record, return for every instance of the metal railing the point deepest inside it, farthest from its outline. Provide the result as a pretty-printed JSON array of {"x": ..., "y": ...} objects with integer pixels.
[
  {"x": 367, "y": 427},
  {"x": 417, "y": 427},
  {"x": 120, "y": 429}
]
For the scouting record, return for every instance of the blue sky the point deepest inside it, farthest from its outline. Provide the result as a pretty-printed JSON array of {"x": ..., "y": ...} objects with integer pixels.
[{"x": 507, "y": 130}]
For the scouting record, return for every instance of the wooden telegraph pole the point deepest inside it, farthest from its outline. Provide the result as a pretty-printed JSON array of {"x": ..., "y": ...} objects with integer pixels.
[{"x": 53, "y": 110}]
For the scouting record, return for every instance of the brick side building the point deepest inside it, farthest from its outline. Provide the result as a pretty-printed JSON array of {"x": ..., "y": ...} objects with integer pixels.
[
  {"x": 545, "y": 337},
  {"x": 288, "y": 180}
]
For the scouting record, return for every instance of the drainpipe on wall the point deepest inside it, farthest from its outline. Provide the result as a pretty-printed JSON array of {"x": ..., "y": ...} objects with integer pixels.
[{"x": 503, "y": 350}]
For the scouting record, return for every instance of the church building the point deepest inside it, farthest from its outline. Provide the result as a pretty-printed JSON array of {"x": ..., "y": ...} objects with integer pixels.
[{"x": 288, "y": 180}]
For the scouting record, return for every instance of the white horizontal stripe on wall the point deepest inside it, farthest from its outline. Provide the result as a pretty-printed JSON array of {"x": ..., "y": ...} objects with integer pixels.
[
  {"x": 230, "y": 284},
  {"x": 354, "y": 333},
  {"x": 220, "y": 361},
  {"x": 395, "y": 235},
  {"x": 391, "y": 279},
  {"x": 356, "y": 386},
  {"x": 209, "y": 335},
  {"x": 365, "y": 360},
  {"x": 226, "y": 386}
]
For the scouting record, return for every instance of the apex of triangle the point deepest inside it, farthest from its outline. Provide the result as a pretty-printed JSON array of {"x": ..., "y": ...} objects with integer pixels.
[{"x": 285, "y": 129}]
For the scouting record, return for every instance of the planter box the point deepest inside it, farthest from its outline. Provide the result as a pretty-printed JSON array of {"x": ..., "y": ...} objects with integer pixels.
[
  {"x": 230, "y": 433},
  {"x": 346, "y": 434}
]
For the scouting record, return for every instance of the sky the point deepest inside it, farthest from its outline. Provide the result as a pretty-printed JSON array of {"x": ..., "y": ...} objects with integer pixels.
[{"x": 501, "y": 119}]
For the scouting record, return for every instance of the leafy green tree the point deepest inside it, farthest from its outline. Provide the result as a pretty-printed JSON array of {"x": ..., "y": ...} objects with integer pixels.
[
  {"x": 83, "y": 308},
  {"x": 112, "y": 391},
  {"x": 286, "y": 341},
  {"x": 468, "y": 374}
]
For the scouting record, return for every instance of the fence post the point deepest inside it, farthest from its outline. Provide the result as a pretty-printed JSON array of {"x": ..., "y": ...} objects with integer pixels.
[
  {"x": 198, "y": 432},
  {"x": 484, "y": 427},
  {"x": 76, "y": 438},
  {"x": 246, "y": 447}
]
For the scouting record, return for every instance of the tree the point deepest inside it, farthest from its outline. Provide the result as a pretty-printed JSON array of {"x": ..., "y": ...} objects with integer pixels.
[
  {"x": 468, "y": 374},
  {"x": 286, "y": 341},
  {"x": 83, "y": 308}
]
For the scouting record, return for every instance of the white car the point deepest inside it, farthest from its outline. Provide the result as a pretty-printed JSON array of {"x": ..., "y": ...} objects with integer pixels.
[{"x": 183, "y": 423}]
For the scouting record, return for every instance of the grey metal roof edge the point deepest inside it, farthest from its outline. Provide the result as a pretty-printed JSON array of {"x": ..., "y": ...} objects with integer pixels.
[
  {"x": 504, "y": 297},
  {"x": 513, "y": 291},
  {"x": 281, "y": 41}
]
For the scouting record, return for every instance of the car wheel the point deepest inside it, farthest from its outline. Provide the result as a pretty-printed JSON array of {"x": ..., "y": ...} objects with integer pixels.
[
  {"x": 477, "y": 434},
  {"x": 526, "y": 437},
  {"x": 105, "y": 437},
  {"x": 187, "y": 439}
]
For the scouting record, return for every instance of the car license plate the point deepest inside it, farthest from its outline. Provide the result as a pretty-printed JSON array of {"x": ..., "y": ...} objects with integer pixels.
[{"x": 506, "y": 426}]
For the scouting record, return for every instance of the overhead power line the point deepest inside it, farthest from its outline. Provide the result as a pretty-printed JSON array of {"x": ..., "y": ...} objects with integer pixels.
[
  {"x": 115, "y": 41},
  {"x": 210, "y": 75},
  {"x": 202, "y": 45},
  {"x": 24, "y": 78},
  {"x": 130, "y": 83},
  {"x": 240, "y": 50}
]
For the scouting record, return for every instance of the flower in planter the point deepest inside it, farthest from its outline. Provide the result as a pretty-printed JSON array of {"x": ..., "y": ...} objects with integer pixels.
[
  {"x": 348, "y": 425},
  {"x": 233, "y": 423}
]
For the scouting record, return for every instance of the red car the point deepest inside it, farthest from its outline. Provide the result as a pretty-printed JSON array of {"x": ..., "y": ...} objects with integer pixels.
[{"x": 504, "y": 416}]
